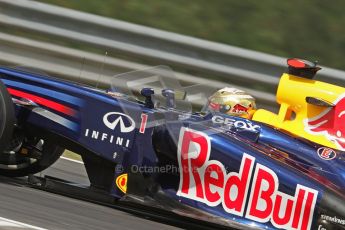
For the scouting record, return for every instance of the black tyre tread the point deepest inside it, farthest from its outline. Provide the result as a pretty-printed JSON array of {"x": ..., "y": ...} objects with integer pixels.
[
  {"x": 51, "y": 154},
  {"x": 7, "y": 112}
]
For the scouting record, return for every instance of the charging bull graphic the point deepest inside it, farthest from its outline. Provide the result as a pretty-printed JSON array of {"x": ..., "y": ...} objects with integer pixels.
[{"x": 330, "y": 123}]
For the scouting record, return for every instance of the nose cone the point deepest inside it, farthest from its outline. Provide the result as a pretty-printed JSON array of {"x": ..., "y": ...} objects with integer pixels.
[{"x": 331, "y": 214}]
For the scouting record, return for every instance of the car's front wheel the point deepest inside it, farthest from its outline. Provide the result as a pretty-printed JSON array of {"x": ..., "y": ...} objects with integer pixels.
[
  {"x": 28, "y": 155},
  {"x": 7, "y": 117},
  {"x": 22, "y": 153}
]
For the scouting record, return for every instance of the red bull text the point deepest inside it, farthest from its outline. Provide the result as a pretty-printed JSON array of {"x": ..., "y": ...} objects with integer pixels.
[{"x": 207, "y": 181}]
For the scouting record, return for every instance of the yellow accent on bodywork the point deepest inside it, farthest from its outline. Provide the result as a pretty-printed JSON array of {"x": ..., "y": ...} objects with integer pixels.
[
  {"x": 295, "y": 111},
  {"x": 121, "y": 182}
]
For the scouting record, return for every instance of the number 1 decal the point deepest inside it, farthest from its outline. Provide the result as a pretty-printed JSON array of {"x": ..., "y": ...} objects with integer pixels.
[{"x": 143, "y": 122}]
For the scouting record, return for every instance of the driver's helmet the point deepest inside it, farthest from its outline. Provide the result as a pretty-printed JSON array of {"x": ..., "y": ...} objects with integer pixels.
[{"x": 232, "y": 101}]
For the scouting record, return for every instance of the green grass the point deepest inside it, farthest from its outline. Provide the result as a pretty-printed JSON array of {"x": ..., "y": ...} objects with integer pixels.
[
  {"x": 71, "y": 155},
  {"x": 311, "y": 29}
]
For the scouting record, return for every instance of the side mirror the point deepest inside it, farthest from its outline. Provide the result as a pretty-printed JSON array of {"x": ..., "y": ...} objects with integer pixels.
[
  {"x": 147, "y": 93},
  {"x": 170, "y": 97}
]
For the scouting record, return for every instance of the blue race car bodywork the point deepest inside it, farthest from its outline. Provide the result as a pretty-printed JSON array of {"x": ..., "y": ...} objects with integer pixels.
[{"x": 227, "y": 170}]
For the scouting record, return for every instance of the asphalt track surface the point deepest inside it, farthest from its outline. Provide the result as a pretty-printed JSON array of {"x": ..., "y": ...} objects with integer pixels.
[{"x": 46, "y": 210}]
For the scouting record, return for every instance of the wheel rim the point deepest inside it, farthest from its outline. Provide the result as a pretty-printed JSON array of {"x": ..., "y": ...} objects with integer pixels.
[{"x": 13, "y": 160}]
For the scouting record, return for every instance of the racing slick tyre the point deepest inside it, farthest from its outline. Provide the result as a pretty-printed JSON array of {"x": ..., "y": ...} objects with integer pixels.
[
  {"x": 7, "y": 117},
  {"x": 28, "y": 155},
  {"x": 22, "y": 154}
]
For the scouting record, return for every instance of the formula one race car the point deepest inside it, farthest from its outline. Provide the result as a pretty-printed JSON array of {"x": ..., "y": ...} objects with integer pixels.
[{"x": 142, "y": 139}]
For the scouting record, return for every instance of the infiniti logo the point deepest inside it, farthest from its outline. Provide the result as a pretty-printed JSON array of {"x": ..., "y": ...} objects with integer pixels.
[{"x": 125, "y": 122}]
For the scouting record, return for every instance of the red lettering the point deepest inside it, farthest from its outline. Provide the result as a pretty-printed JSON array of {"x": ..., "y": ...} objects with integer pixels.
[
  {"x": 194, "y": 150},
  {"x": 298, "y": 208},
  {"x": 236, "y": 187},
  {"x": 278, "y": 206},
  {"x": 143, "y": 123},
  {"x": 307, "y": 215},
  {"x": 262, "y": 196},
  {"x": 218, "y": 182},
  {"x": 207, "y": 181}
]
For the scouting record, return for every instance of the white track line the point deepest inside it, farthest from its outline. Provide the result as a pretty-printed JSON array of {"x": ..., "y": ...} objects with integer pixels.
[
  {"x": 7, "y": 223},
  {"x": 68, "y": 159}
]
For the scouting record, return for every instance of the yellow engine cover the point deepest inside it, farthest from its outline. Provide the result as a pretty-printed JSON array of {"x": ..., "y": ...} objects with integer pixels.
[{"x": 323, "y": 125}]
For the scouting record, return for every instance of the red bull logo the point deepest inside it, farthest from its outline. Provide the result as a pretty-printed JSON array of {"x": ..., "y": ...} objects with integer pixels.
[
  {"x": 240, "y": 109},
  {"x": 252, "y": 192},
  {"x": 330, "y": 123}
]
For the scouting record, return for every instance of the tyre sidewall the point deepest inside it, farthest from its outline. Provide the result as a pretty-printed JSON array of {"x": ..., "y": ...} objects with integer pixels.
[{"x": 7, "y": 117}]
